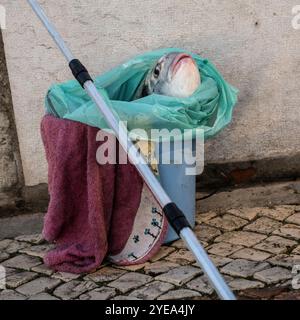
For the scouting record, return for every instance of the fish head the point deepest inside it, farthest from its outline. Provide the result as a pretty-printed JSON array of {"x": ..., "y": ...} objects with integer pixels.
[{"x": 175, "y": 74}]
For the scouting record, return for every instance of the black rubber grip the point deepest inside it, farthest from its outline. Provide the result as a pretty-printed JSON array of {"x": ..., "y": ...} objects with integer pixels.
[
  {"x": 176, "y": 217},
  {"x": 80, "y": 72}
]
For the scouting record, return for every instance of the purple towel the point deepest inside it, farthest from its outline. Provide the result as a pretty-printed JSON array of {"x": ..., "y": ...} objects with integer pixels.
[{"x": 94, "y": 210}]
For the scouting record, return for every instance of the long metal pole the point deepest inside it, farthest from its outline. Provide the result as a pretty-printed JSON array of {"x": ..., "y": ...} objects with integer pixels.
[{"x": 185, "y": 233}]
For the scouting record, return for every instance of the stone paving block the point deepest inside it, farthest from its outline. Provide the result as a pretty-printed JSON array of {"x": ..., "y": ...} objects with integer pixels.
[
  {"x": 296, "y": 250},
  {"x": 120, "y": 298},
  {"x": 102, "y": 293},
  {"x": 16, "y": 246},
  {"x": 244, "y": 284},
  {"x": 242, "y": 238},
  {"x": 206, "y": 233},
  {"x": 11, "y": 295},
  {"x": 163, "y": 252},
  {"x": 4, "y": 256},
  {"x": 38, "y": 250},
  {"x": 22, "y": 262},
  {"x": 152, "y": 290},
  {"x": 33, "y": 238},
  {"x": 73, "y": 289},
  {"x": 179, "y": 276},
  {"x": 219, "y": 261},
  {"x": 43, "y": 297},
  {"x": 130, "y": 281},
  {"x": 284, "y": 260},
  {"x": 65, "y": 276},
  {"x": 223, "y": 249},
  {"x": 243, "y": 268},
  {"x": 201, "y": 284},
  {"x": 132, "y": 268},
  {"x": 38, "y": 285},
  {"x": 4, "y": 244},
  {"x": 204, "y": 217},
  {"x": 227, "y": 222},
  {"x": 251, "y": 254},
  {"x": 289, "y": 231},
  {"x": 294, "y": 219},
  {"x": 156, "y": 268},
  {"x": 182, "y": 257},
  {"x": 279, "y": 213},
  {"x": 179, "y": 244},
  {"x": 43, "y": 269},
  {"x": 245, "y": 213},
  {"x": 17, "y": 279},
  {"x": 276, "y": 245},
  {"x": 273, "y": 275},
  {"x": 179, "y": 295},
  {"x": 105, "y": 274},
  {"x": 263, "y": 225}
]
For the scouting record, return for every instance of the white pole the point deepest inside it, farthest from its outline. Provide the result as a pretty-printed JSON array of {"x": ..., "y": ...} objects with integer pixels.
[{"x": 186, "y": 234}]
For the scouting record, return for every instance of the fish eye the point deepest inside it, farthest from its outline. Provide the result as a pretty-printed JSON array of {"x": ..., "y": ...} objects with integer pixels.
[{"x": 156, "y": 71}]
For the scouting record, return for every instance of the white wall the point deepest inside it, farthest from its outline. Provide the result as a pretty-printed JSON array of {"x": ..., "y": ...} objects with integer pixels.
[{"x": 252, "y": 42}]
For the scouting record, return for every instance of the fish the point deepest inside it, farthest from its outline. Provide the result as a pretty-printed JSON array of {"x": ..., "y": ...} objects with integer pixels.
[{"x": 175, "y": 74}]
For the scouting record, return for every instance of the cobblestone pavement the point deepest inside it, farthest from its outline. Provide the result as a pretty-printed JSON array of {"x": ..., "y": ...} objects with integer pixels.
[{"x": 256, "y": 249}]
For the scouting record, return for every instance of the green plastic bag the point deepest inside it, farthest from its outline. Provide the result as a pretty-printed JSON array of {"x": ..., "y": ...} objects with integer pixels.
[{"x": 209, "y": 108}]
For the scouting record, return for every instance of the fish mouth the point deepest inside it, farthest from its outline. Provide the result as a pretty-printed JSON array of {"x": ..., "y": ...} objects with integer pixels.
[{"x": 179, "y": 60}]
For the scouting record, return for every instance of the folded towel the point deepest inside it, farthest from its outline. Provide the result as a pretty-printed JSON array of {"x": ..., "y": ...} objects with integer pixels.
[{"x": 95, "y": 211}]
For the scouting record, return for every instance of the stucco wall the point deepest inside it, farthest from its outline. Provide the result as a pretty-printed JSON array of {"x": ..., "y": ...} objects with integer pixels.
[{"x": 251, "y": 42}]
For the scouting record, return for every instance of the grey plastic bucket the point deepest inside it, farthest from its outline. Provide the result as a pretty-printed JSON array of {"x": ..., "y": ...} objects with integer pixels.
[{"x": 180, "y": 187}]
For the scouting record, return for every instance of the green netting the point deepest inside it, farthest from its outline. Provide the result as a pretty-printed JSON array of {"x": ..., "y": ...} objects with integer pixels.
[{"x": 209, "y": 108}]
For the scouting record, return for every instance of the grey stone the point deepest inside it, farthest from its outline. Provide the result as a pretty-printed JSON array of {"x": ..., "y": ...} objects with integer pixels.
[
  {"x": 223, "y": 249},
  {"x": 273, "y": 275},
  {"x": 38, "y": 285},
  {"x": 17, "y": 279},
  {"x": 22, "y": 262},
  {"x": 15, "y": 246},
  {"x": 43, "y": 296},
  {"x": 162, "y": 253},
  {"x": 73, "y": 289},
  {"x": 201, "y": 284},
  {"x": 103, "y": 293},
  {"x": 228, "y": 222},
  {"x": 243, "y": 268},
  {"x": 276, "y": 245},
  {"x": 156, "y": 268},
  {"x": 206, "y": 233},
  {"x": 284, "y": 260},
  {"x": 245, "y": 213},
  {"x": 4, "y": 256},
  {"x": 179, "y": 295},
  {"x": 130, "y": 281},
  {"x": 251, "y": 254},
  {"x": 65, "y": 276},
  {"x": 291, "y": 231},
  {"x": 263, "y": 225},
  {"x": 120, "y": 298},
  {"x": 242, "y": 238},
  {"x": 38, "y": 250},
  {"x": 105, "y": 274},
  {"x": 182, "y": 257},
  {"x": 152, "y": 290},
  {"x": 244, "y": 284},
  {"x": 279, "y": 213},
  {"x": 205, "y": 216},
  {"x": 11, "y": 295},
  {"x": 43, "y": 269},
  {"x": 33, "y": 238},
  {"x": 295, "y": 219},
  {"x": 179, "y": 276}
]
